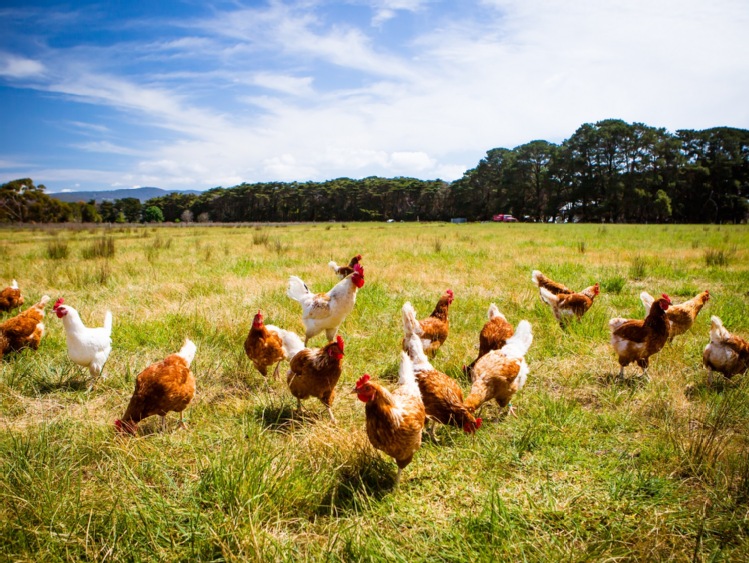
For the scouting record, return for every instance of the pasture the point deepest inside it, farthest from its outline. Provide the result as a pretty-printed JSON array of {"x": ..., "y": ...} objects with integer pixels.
[{"x": 592, "y": 468}]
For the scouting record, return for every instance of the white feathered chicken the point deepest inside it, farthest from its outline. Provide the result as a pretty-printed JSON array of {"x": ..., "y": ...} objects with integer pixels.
[
  {"x": 326, "y": 311},
  {"x": 87, "y": 347}
]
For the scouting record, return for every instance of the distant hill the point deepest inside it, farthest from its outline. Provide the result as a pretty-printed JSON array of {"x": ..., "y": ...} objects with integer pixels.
[{"x": 143, "y": 194}]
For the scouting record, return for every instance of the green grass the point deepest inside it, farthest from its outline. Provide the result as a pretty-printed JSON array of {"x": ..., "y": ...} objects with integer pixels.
[{"x": 590, "y": 470}]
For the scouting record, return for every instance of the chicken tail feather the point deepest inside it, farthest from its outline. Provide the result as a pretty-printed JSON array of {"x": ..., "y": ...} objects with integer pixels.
[
  {"x": 188, "y": 351},
  {"x": 108, "y": 322},
  {"x": 718, "y": 332},
  {"x": 517, "y": 345},
  {"x": 647, "y": 301},
  {"x": 410, "y": 323},
  {"x": 297, "y": 289},
  {"x": 406, "y": 377}
]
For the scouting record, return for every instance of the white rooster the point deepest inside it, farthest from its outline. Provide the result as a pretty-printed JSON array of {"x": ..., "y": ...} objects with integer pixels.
[
  {"x": 326, "y": 311},
  {"x": 87, "y": 347}
]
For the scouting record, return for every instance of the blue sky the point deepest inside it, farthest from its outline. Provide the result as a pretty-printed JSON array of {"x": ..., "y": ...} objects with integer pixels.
[{"x": 194, "y": 94}]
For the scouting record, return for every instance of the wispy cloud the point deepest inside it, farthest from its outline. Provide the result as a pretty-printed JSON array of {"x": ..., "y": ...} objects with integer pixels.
[
  {"x": 12, "y": 66},
  {"x": 291, "y": 91}
]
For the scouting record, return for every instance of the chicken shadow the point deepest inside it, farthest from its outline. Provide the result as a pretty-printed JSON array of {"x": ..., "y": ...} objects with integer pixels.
[
  {"x": 281, "y": 417},
  {"x": 61, "y": 380},
  {"x": 631, "y": 382},
  {"x": 368, "y": 478},
  {"x": 703, "y": 388}
]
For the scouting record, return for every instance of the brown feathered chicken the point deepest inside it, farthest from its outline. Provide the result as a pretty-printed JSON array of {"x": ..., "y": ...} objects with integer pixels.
[
  {"x": 441, "y": 394},
  {"x": 564, "y": 302},
  {"x": 550, "y": 285},
  {"x": 681, "y": 316},
  {"x": 726, "y": 353},
  {"x": 395, "y": 419},
  {"x": 568, "y": 305},
  {"x": 434, "y": 329},
  {"x": 315, "y": 373},
  {"x": 10, "y": 297},
  {"x": 25, "y": 330},
  {"x": 493, "y": 335},
  {"x": 343, "y": 271},
  {"x": 636, "y": 341},
  {"x": 166, "y": 386},
  {"x": 500, "y": 374},
  {"x": 266, "y": 345}
]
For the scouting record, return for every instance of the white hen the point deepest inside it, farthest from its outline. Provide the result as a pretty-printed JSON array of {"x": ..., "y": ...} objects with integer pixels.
[
  {"x": 87, "y": 347},
  {"x": 326, "y": 311}
]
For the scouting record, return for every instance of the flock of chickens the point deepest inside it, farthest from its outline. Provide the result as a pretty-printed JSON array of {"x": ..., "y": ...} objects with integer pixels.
[{"x": 423, "y": 396}]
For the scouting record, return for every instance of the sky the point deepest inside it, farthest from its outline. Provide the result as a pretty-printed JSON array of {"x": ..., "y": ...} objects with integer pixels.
[{"x": 198, "y": 94}]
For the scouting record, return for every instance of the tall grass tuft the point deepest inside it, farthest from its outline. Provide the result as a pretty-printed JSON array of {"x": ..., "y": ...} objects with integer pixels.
[
  {"x": 260, "y": 237},
  {"x": 102, "y": 247},
  {"x": 717, "y": 257},
  {"x": 614, "y": 284},
  {"x": 638, "y": 268},
  {"x": 581, "y": 247},
  {"x": 278, "y": 246},
  {"x": 57, "y": 250},
  {"x": 705, "y": 440}
]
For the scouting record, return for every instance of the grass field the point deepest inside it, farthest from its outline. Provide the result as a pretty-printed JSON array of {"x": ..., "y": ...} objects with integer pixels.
[{"x": 592, "y": 469}]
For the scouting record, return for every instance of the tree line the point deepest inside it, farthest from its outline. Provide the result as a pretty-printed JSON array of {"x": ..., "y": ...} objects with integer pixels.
[{"x": 610, "y": 171}]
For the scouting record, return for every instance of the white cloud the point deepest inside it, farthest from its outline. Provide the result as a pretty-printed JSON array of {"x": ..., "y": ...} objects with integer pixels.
[
  {"x": 291, "y": 96},
  {"x": 12, "y": 66},
  {"x": 297, "y": 86},
  {"x": 110, "y": 148},
  {"x": 388, "y": 9}
]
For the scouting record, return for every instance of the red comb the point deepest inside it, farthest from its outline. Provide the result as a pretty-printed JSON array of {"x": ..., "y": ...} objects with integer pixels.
[
  {"x": 666, "y": 297},
  {"x": 362, "y": 380},
  {"x": 339, "y": 341},
  {"x": 358, "y": 269},
  {"x": 59, "y": 302}
]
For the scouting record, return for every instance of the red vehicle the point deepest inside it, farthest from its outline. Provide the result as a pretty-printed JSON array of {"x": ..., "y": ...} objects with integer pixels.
[{"x": 504, "y": 218}]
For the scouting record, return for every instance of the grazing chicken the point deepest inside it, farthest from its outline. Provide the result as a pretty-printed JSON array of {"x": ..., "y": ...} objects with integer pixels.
[
  {"x": 395, "y": 419},
  {"x": 25, "y": 330},
  {"x": 501, "y": 373},
  {"x": 166, "y": 386},
  {"x": 550, "y": 285},
  {"x": 326, "y": 311},
  {"x": 566, "y": 305},
  {"x": 87, "y": 347},
  {"x": 636, "y": 341},
  {"x": 343, "y": 271},
  {"x": 267, "y": 345},
  {"x": 441, "y": 394},
  {"x": 681, "y": 316},
  {"x": 434, "y": 329},
  {"x": 493, "y": 336},
  {"x": 726, "y": 353},
  {"x": 10, "y": 298},
  {"x": 315, "y": 373}
]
